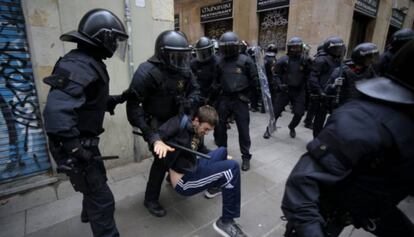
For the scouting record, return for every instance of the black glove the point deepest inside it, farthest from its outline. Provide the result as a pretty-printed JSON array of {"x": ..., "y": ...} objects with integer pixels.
[
  {"x": 283, "y": 87},
  {"x": 113, "y": 101},
  {"x": 74, "y": 148}
]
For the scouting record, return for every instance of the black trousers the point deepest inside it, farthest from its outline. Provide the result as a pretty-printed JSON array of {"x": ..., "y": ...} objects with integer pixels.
[
  {"x": 321, "y": 112},
  {"x": 98, "y": 201},
  {"x": 240, "y": 109},
  {"x": 296, "y": 96},
  {"x": 155, "y": 179},
  {"x": 391, "y": 223},
  {"x": 310, "y": 114}
]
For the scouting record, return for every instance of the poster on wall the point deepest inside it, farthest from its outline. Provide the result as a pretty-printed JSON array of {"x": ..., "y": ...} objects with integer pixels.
[
  {"x": 217, "y": 12},
  {"x": 266, "y": 5}
]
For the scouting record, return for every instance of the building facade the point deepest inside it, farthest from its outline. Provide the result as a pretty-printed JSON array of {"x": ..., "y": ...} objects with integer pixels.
[
  {"x": 261, "y": 22},
  {"x": 30, "y": 47}
]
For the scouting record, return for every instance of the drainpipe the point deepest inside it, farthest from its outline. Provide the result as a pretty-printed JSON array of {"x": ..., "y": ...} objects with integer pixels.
[{"x": 128, "y": 21}]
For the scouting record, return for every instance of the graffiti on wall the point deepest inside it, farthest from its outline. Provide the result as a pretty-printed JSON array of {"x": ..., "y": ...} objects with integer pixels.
[{"x": 22, "y": 141}]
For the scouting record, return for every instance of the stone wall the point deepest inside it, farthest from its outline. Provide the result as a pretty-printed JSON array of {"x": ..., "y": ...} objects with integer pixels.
[
  {"x": 46, "y": 20},
  {"x": 313, "y": 20}
]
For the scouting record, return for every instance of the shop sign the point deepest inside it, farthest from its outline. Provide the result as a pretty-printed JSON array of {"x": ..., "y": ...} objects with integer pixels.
[
  {"x": 177, "y": 22},
  {"x": 266, "y": 5},
  {"x": 216, "y": 12},
  {"x": 397, "y": 18},
  {"x": 367, "y": 7}
]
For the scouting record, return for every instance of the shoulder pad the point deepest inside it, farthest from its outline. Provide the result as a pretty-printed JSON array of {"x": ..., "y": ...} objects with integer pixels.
[{"x": 77, "y": 70}]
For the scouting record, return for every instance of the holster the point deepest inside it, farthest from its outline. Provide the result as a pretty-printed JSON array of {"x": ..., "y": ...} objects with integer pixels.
[{"x": 85, "y": 177}]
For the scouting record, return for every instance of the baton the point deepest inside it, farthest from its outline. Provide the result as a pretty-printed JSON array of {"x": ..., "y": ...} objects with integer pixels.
[
  {"x": 105, "y": 157},
  {"x": 183, "y": 148}
]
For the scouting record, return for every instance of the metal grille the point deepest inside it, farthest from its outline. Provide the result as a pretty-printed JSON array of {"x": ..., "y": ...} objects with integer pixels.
[
  {"x": 22, "y": 140},
  {"x": 215, "y": 29},
  {"x": 273, "y": 28}
]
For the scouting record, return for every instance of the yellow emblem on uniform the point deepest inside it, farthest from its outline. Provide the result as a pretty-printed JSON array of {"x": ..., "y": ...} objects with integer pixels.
[
  {"x": 238, "y": 70},
  {"x": 180, "y": 85}
]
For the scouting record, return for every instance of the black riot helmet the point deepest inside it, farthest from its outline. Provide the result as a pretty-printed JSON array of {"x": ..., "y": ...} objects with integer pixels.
[
  {"x": 398, "y": 86},
  {"x": 400, "y": 38},
  {"x": 204, "y": 49},
  {"x": 295, "y": 46},
  {"x": 102, "y": 29},
  {"x": 172, "y": 49},
  {"x": 229, "y": 44},
  {"x": 334, "y": 46},
  {"x": 271, "y": 48},
  {"x": 365, "y": 54}
]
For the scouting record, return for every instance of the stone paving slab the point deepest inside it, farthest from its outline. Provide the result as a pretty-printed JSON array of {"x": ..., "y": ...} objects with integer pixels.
[
  {"x": 27, "y": 200},
  {"x": 262, "y": 191},
  {"x": 11, "y": 225}
]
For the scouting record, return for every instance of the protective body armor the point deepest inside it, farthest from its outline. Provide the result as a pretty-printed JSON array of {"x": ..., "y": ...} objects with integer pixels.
[
  {"x": 91, "y": 79},
  {"x": 387, "y": 172},
  {"x": 233, "y": 76},
  {"x": 294, "y": 71},
  {"x": 205, "y": 72},
  {"x": 162, "y": 103}
]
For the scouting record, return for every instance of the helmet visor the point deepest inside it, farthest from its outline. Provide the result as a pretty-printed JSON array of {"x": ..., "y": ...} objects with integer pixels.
[
  {"x": 337, "y": 51},
  {"x": 204, "y": 54},
  {"x": 371, "y": 59},
  {"x": 179, "y": 60},
  {"x": 121, "y": 48},
  {"x": 229, "y": 50},
  {"x": 295, "y": 49}
]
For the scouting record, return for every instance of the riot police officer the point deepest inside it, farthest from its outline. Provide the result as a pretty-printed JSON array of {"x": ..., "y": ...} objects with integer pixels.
[
  {"x": 322, "y": 69},
  {"x": 361, "y": 165},
  {"x": 204, "y": 68},
  {"x": 164, "y": 87},
  {"x": 75, "y": 110},
  {"x": 342, "y": 81},
  {"x": 399, "y": 39},
  {"x": 236, "y": 76},
  {"x": 312, "y": 105},
  {"x": 270, "y": 61},
  {"x": 292, "y": 71}
]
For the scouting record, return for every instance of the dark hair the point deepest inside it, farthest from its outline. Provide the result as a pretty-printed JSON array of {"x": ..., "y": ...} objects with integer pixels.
[{"x": 207, "y": 114}]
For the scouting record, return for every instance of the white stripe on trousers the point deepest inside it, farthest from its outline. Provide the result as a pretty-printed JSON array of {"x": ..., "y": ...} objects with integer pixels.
[{"x": 201, "y": 182}]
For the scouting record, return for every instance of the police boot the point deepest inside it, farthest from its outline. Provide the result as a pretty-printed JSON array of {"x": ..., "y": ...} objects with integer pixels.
[
  {"x": 245, "y": 164},
  {"x": 155, "y": 208},
  {"x": 267, "y": 134},
  {"x": 84, "y": 216},
  {"x": 292, "y": 133}
]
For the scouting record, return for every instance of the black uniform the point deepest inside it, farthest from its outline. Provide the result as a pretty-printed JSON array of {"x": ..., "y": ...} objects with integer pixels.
[
  {"x": 291, "y": 77},
  {"x": 74, "y": 114},
  {"x": 361, "y": 164},
  {"x": 75, "y": 110},
  {"x": 160, "y": 93},
  {"x": 205, "y": 73},
  {"x": 270, "y": 64},
  {"x": 351, "y": 74},
  {"x": 322, "y": 69},
  {"x": 356, "y": 171},
  {"x": 236, "y": 77}
]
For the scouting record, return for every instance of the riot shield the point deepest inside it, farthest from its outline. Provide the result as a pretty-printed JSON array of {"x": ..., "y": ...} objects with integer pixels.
[{"x": 264, "y": 86}]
